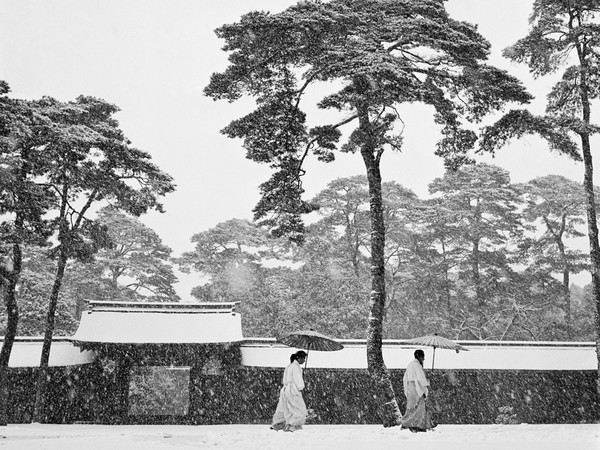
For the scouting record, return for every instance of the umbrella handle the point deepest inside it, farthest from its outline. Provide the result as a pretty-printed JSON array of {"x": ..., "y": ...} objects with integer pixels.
[
  {"x": 307, "y": 352},
  {"x": 433, "y": 360}
]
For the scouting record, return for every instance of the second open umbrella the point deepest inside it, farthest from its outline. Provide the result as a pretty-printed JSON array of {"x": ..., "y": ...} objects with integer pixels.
[{"x": 435, "y": 341}]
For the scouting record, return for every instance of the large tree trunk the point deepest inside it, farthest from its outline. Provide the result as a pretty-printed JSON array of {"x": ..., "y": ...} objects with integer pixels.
[
  {"x": 7, "y": 345},
  {"x": 39, "y": 411},
  {"x": 390, "y": 412},
  {"x": 12, "y": 312},
  {"x": 588, "y": 184}
]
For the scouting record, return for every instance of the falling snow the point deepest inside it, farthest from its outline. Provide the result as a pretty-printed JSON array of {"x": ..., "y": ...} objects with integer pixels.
[{"x": 313, "y": 437}]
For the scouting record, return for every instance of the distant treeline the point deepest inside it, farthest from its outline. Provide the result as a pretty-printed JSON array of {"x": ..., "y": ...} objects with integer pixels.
[{"x": 480, "y": 259}]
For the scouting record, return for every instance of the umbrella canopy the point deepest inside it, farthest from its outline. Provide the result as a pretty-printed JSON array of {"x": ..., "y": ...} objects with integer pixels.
[
  {"x": 435, "y": 341},
  {"x": 310, "y": 340}
]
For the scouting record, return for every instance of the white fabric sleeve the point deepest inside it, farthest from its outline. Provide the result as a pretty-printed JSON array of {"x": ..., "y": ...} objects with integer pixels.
[
  {"x": 297, "y": 376},
  {"x": 422, "y": 381}
]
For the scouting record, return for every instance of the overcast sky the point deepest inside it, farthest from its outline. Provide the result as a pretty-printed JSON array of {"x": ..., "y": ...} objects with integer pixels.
[{"x": 153, "y": 58}]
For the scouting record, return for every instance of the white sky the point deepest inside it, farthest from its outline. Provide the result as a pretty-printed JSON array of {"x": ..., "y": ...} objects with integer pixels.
[{"x": 153, "y": 58}]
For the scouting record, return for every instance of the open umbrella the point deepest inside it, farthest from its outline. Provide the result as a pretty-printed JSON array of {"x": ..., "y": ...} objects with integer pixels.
[
  {"x": 310, "y": 340},
  {"x": 435, "y": 341}
]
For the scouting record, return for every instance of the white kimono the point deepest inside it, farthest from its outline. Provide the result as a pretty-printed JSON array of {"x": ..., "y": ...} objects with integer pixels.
[
  {"x": 415, "y": 383},
  {"x": 415, "y": 374},
  {"x": 291, "y": 409}
]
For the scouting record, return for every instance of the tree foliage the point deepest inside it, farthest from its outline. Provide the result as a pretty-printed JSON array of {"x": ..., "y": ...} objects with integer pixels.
[
  {"x": 565, "y": 35},
  {"x": 23, "y": 205},
  {"x": 137, "y": 265},
  {"x": 559, "y": 204},
  {"x": 381, "y": 53},
  {"x": 429, "y": 262},
  {"x": 376, "y": 54},
  {"x": 35, "y": 282},
  {"x": 82, "y": 158}
]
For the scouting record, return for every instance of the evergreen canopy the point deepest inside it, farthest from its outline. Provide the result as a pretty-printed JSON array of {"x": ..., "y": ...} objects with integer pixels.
[{"x": 373, "y": 55}]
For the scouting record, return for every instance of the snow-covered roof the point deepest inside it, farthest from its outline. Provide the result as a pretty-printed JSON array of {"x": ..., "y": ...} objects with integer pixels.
[
  {"x": 26, "y": 352},
  {"x": 159, "y": 323},
  {"x": 397, "y": 354}
]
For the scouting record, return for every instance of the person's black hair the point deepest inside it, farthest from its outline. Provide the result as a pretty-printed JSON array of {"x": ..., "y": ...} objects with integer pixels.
[
  {"x": 293, "y": 357},
  {"x": 419, "y": 354},
  {"x": 301, "y": 354}
]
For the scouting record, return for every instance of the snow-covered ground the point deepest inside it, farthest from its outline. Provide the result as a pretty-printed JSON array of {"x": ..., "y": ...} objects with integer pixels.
[{"x": 313, "y": 437}]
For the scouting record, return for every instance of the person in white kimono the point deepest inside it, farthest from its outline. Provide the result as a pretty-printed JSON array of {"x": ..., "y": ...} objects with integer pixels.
[
  {"x": 416, "y": 389},
  {"x": 291, "y": 411}
]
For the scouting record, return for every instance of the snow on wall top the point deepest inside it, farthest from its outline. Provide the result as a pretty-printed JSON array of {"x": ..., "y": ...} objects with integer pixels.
[
  {"x": 265, "y": 352},
  {"x": 397, "y": 355},
  {"x": 159, "y": 323},
  {"x": 26, "y": 352}
]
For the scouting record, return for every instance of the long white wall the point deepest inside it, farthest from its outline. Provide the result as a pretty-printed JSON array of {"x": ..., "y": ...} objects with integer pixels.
[
  {"x": 27, "y": 352},
  {"x": 265, "y": 352},
  {"x": 480, "y": 355}
]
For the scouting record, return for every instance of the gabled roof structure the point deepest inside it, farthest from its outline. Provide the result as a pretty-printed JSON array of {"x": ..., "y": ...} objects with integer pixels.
[{"x": 131, "y": 323}]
